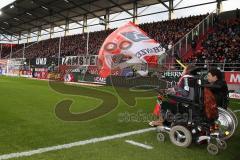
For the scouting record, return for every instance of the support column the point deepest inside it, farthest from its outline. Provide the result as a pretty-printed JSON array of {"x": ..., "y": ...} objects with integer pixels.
[
  {"x": 28, "y": 36},
  {"x": 51, "y": 31},
  {"x": 219, "y": 6},
  {"x": 19, "y": 37},
  {"x": 106, "y": 19},
  {"x": 84, "y": 24},
  {"x": 11, "y": 48},
  {"x": 135, "y": 12},
  {"x": 23, "y": 52},
  {"x": 59, "y": 51},
  {"x": 66, "y": 31},
  {"x": 39, "y": 35},
  {"x": 171, "y": 10}
]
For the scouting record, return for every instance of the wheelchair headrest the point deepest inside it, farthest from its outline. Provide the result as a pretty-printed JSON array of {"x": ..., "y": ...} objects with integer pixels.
[{"x": 198, "y": 71}]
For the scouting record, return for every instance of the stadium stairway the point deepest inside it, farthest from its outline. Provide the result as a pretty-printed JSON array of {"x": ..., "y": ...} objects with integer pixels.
[{"x": 199, "y": 46}]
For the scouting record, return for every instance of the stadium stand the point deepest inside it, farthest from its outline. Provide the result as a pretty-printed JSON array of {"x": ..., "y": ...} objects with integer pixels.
[
  {"x": 165, "y": 32},
  {"x": 6, "y": 49},
  {"x": 221, "y": 45}
]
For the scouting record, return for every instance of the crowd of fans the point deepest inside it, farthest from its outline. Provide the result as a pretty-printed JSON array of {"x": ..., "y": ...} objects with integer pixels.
[
  {"x": 170, "y": 31},
  {"x": 164, "y": 32},
  {"x": 5, "y": 49},
  {"x": 221, "y": 46}
]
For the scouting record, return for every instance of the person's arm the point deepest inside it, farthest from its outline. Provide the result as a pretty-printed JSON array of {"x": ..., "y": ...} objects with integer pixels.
[
  {"x": 215, "y": 86},
  {"x": 183, "y": 88},
  {"x": 182, "y": 92}
]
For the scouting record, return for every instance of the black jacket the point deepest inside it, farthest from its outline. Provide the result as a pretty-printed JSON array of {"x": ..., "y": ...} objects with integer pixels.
[{"x": 220, "y": 91}]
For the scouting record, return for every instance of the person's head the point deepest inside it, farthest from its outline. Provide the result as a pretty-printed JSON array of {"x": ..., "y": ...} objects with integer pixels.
[{"x": 214, "y": 74}]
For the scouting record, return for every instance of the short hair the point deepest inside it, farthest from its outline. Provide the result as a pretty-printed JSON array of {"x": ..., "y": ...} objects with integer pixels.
[{"x": 216, "y": 72}]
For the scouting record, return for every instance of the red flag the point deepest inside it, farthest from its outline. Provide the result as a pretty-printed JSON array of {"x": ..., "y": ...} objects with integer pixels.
[
  {"x": 157, "y": 109},
  {"x": 126, "y": 46}
]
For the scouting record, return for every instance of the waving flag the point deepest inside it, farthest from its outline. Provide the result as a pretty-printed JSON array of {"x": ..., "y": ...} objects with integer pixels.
[{"x": 127, "y": 46}]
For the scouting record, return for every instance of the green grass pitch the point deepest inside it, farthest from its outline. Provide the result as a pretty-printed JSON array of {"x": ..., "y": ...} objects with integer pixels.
[{"x": 28, "y": 121}]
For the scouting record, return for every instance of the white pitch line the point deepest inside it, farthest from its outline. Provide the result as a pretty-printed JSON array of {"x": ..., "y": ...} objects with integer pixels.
[
  {"x": 74, "y": 144},
  {"x": 139, "y": 144},
  {"x": 235, "y": 111}
]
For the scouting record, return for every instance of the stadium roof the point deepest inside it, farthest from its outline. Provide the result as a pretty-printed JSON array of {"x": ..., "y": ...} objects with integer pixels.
[{"x": 32, "y": 15}]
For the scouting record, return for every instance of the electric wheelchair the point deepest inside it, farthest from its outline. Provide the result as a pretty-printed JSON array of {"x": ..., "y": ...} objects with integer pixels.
[{"x": 186, "y": 121}]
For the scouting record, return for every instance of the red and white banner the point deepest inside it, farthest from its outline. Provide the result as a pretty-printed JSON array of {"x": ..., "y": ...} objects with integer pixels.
[
  {"x": 26, "y": 73},
  {"x": 128, "y": 43},
  {"x": 234, "y": 95},
  {"x": 232, "y": 77},
  {"x": 233, "y": 81},
  {"x": 41, "y": 75},
  {"x": 93, "y": 70},
  {"x": 69, "y": 77}
]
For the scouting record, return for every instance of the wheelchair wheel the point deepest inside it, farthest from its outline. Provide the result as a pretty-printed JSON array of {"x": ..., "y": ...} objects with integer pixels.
[
  {"x": 212, "y": 149},
  {"x": 227, "y": 124},
  {"x": 180, "y": 136},
  {"x": 234, "y": 116},
  {"x": 160, "y": 137},
  {"x": 222, "y": 144}
]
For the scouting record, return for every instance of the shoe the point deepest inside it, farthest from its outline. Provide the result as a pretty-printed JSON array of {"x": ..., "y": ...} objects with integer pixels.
[{"x": 155, "y": 123}]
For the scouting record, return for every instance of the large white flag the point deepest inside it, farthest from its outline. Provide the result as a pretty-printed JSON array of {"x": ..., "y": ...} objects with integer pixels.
[{"x": 127, "y": 46}]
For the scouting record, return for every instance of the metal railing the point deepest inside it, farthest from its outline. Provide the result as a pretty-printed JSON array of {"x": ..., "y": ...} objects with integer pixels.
[
  {"x": 183, "y": 47},
  {"x": 221, "y": 66}
]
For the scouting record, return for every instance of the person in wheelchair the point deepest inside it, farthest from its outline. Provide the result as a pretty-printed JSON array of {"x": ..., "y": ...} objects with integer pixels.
[
  {"x": 215, "y": 91},
  {"x": 204, "y": 103},
  {"x": 184, "y": 89}
]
